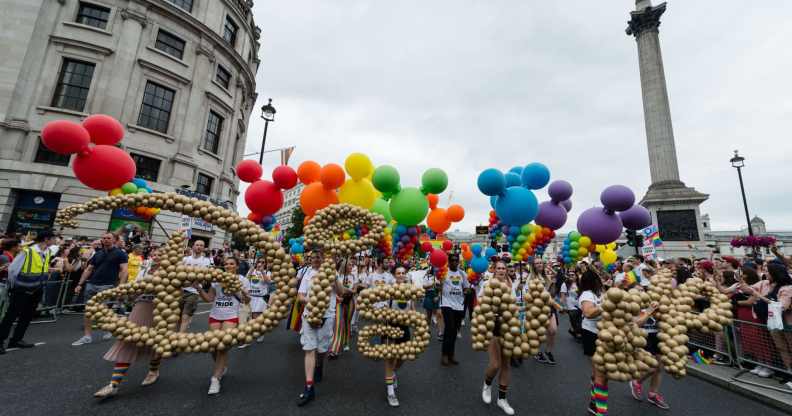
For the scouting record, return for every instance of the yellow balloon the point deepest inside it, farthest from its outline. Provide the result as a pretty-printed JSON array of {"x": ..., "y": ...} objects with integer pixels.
[
  {"x": 360, "y": 193},
  {"x": 584, "y": 242},
  {"x": 608, "y": 257},
  {"x": 116, "y": 191},
  {"x": 358, "y": 166}
]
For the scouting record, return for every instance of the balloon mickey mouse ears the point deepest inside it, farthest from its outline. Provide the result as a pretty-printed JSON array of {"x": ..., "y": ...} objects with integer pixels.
[
  {"x": 263, "y": 197},
  {"x": 102, "y": 166},
  {"x": 408, "y": 206}
]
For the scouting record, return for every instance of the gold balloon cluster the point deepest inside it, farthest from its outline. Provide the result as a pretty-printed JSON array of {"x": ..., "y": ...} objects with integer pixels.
[
  {"x": 392, "y": 321},
  {"x": 676, "y": 317},
  {"x": 167, "y": 282},
  {"x": 498, "y": 306},
  {"x": 324, "y": 233},
  {"x": 620, "y": 350}
]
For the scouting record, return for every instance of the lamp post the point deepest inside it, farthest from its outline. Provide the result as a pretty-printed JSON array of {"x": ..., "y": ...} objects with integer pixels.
[
  {"x": 738, "y": 162},
  {"x": 268, "y": 114}
]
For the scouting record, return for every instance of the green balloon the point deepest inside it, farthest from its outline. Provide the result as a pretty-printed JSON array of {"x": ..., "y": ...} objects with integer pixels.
[
  {"x": 386, "y": 179},
  {"x": 129, "y": 188},
  {"x": 381, "y": 207},
  {"x": 409, "y": 206},
  {"x": 574, "y": 236},
  {"x": 434, "y": 181}
]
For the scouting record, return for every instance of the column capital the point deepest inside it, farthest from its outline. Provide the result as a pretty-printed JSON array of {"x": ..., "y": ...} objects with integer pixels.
[
  {"x": 135, "y": 15},
  {"x": 644, "y": 20}
]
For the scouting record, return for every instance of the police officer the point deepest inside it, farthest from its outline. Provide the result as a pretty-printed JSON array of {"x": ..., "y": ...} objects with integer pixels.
[{"x": 26, "y": 276}]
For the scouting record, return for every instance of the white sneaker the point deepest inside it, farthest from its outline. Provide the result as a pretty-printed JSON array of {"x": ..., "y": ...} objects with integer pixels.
[
  {"x": 765, "y": 372},
  {"x": 486, "y": 394},
  {"x": 107, "y": 336},
  {"x": 214, "y": 386},
  {"x": 85, "y": 339},
  {"x": 504, "y": 405}
]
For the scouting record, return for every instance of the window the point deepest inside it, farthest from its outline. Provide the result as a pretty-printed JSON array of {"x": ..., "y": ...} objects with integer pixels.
[
  {"x": 223, "y": 76},
  {"x": 230, "y": 31},
  {"x": 146, "y": 167},
  {"x": 156, "y": 108},
  {"x": 73, "y": 85},
  {"x": 169, "y": 44},
  {"x": 213, "y": 128},
  {"x": 183, "y": 4},
  {"x": 204, "y": 184},
  {"x": 44, "y": 155},
  {"x": 93, "y": 15}
]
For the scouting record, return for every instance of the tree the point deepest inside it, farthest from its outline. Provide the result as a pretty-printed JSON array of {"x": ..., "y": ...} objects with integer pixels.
[{"x": 296, "y": 229}]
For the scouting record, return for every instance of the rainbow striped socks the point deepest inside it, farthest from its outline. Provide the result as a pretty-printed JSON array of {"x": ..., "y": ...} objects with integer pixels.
[
  {"x": 389, "y": 385},
  {"x": 119, "y": 372},
  {"x": 599, "y": 396}
]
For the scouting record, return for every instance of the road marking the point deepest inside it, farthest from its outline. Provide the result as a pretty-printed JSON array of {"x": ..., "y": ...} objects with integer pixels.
[{"x": 37, "y": 344}]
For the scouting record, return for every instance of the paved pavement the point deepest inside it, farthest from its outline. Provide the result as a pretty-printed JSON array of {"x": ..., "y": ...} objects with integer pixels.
[{"x": 265, "y": 379}]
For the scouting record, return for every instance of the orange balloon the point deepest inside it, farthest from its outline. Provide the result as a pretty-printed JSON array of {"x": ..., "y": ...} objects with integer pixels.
[
  {"x": 309, "y": 172},
  {"x": 332, "y": 176},
  {"x": 315, "y": 197},
  {"x": 433, "y": 200},
  {"x": 438, "y": 221},
  {"x": 456, "y": 213}
]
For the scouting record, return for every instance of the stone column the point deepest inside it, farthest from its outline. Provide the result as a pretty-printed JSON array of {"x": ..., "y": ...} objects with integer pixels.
[
  {"x": 644, "y": 25},
  {"x": 123, "y": 64}
]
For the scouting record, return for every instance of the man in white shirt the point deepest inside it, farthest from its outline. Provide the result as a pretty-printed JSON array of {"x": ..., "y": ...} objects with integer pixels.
[
  {"x": 189, "y": 301},
  {"x": 315, "y": 340}
]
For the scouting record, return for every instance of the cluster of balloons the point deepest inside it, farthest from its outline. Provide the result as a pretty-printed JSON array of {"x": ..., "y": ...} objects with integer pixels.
[
  {"x": 137, "y": 186},
  {"x": 576, "y": 247},
  {"x": 440, "y": 219},
  {"x": 603, "y": 225},
  {"x": 103, "y": 166},
  {"x": 264, "y": 198},
  {"x": 527, "y": 241}
]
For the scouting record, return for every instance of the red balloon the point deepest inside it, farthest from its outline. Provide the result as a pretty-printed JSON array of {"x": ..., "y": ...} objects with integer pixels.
[
  {"x": 426, "y": 246},
  {"x": 332, "y": 176},
  {"x": 104, "y": 129},
  {"x": 65, "y": 137},
  {"x": 255, "y": 217},
  {"x": 263, "y": 197},
  {"x": 104, "y": 167},
  {"x": 249, "y": 171},
  {"x": 438, "y": 258},
  {"x": 448, "y": 245},
  {"x": 285, "y": 177}
]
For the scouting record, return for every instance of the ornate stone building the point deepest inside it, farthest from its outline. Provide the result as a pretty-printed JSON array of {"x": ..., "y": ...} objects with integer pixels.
[{"x": 178, "y": 74}]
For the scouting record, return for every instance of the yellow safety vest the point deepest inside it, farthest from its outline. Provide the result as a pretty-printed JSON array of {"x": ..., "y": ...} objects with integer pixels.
[{"x": 35, "y": 270}]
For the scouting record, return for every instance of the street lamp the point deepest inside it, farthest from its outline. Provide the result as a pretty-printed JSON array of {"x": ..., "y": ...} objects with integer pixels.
[
  {"x": 738, "y": 162},
  {"x": 268, "y": 114}
]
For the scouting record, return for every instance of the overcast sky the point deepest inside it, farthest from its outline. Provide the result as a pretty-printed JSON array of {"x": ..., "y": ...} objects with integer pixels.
[{"x": 468, "y": 85}]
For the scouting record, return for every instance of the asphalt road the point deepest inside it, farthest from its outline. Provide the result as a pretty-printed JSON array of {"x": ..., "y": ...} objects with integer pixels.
[{"x": 265, "y": 379}]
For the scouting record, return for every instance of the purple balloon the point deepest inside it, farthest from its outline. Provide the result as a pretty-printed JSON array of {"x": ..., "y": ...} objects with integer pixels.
[
  {"x": 599, "y": 225},
  {"x": 559, "y": 190},
  {"x": 617, "y": 198},
  {"x": 551, "y": 215},
  {"x": 636, "y": 218},
  {"x": 567, "y": 204}
]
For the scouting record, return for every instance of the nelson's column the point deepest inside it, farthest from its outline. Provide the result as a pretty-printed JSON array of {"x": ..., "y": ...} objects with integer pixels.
[{"x": 674, "y": 206}]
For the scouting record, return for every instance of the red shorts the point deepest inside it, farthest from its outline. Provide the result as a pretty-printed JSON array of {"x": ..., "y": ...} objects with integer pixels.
[{"x": 218, "y": 321}]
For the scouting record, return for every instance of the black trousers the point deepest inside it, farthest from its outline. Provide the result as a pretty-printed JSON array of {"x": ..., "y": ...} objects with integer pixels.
[
  {"x": 22, "y": 306},
  {"x": 451, "y": 321}
]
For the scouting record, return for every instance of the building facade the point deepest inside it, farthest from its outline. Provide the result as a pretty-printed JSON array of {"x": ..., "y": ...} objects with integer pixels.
[
  {"x": 291, "y": 202},
  {"x": 178, "y": 74}
]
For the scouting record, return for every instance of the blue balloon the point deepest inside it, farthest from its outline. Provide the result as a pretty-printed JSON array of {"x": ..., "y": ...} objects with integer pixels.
[
  {"x": 140, "y": 183},
  {"x": 513, "y": 179},
  {"x": 490, "y": 252},
  {"x": 479, "y": 264},
  {"x": 491, "y": 182},
  {"x": 535, "y": 176},
  {"x": 517, "y": 206}
]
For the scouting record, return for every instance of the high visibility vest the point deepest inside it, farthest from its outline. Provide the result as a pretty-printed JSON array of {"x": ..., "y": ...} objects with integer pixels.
[{"x": 35, "y": 270}]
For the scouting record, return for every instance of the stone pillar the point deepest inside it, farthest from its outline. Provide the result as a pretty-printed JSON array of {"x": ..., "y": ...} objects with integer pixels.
[
  {"x": 657, "y": 111},
  {"x": 123, "y": 64}
]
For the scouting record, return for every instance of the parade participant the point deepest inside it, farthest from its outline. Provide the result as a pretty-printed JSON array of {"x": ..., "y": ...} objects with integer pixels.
[
  {"x": 393, "y": 365},
  {"x": 258, "y": 278},
  {"x": 122, "y": 354},
  {"x": 545, "y": 356},
  {"x": 345, "y": 307},
  {"x": 647, "y": 321},
  {"x": 590, "y": 300},
  {"x": 224, "y": 315},
  {"x": 189, "y": 300},
  {"x": 106, "y": 269},
  {"x": 498, "y": 363},
  {"x": 315, "y": 340},
  {"x": 452, "y": 299},
  {"x": 27, "y": 274}
]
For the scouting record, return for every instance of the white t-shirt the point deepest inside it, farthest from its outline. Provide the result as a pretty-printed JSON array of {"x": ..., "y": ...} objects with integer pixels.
[
  {"x": 453, "y": 295},
  {"x": 226, "y": 305},
  {"x": 305, "y": 290},
  {"x": 191, "y": 260},
  {"x": 380, "y": 279},
  {"x": 590, "y": 324},
  {"x": 571, "y": 295}
]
